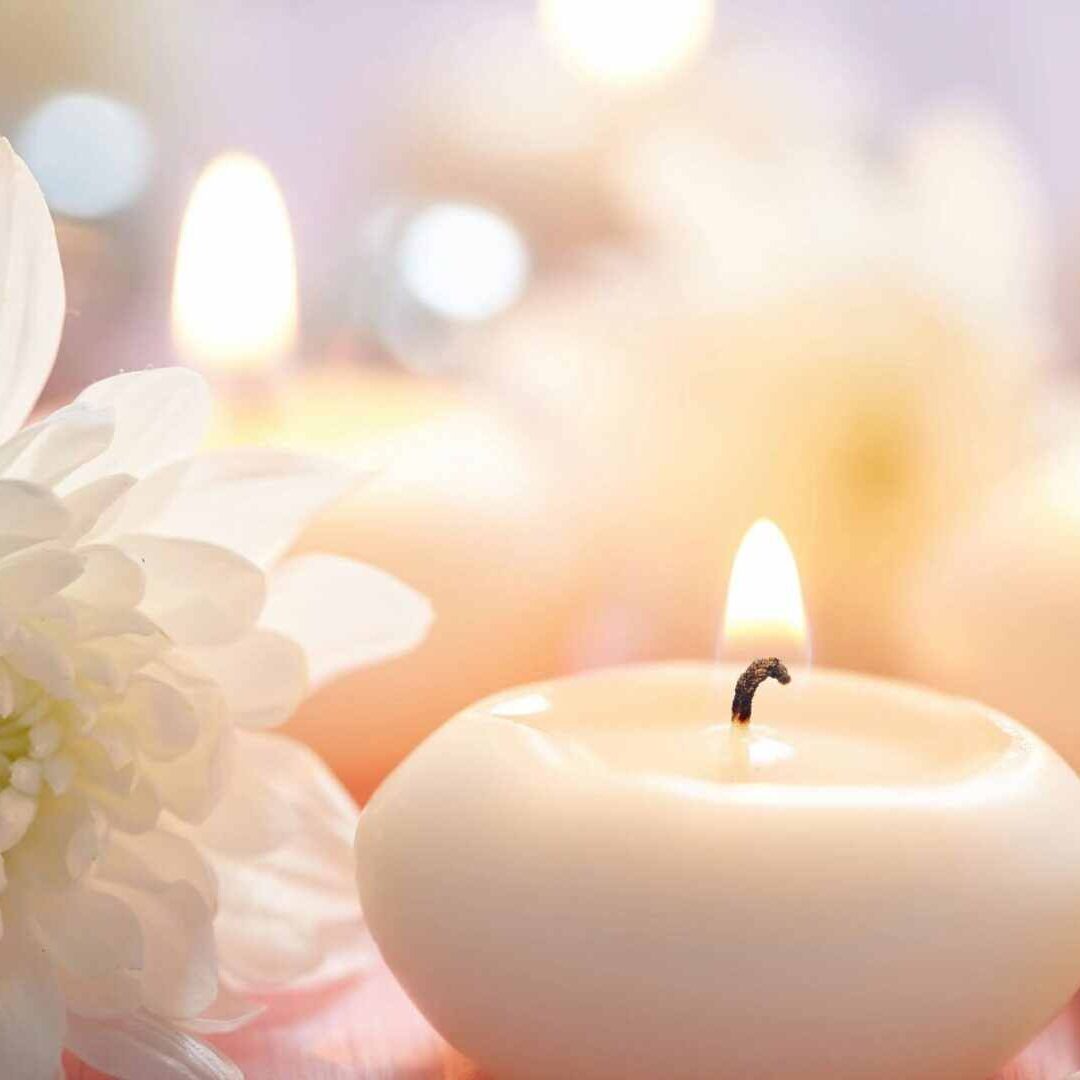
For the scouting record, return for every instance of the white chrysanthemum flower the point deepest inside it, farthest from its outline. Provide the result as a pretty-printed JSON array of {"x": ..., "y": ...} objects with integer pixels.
[{"x": 160, "y": 852}]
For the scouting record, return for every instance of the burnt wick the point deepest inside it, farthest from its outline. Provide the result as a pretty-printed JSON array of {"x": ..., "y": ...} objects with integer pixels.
[{"x": 743, "y": 702}]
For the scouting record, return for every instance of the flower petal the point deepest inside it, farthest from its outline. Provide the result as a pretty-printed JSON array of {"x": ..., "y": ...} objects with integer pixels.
[
  {"x": 164, "y": 720},
  {"x": 109, "y": 578},
  {"x": 31, "y": 1009},
  {"x": 142, "y": 1048},
  {"x": 230, "y": 1012},
  {"x": 161, "y": 416},
  {"x": 31, "y": 576},
  {"x": 192, "y": 785},
  {"x": 115, "y": 994},
  {"x": 263, "y": 677},
  {"x": 87, "y": 932},
  {"x": 31, "y": 291},
  {"x": 155, "y": 858},
  {"x": 48, "y": 451},
  {"x": 39, "y": 658},
  {"x": 179, "y": 971},
  {"x": 199, "y": 594},
  {"x": 136, "y": 811},
  {"x": 88, "y": 503},
  {"x": 253, "y": 501},
  {"x": 261, "y": 939},
  {"x": 29, "y": 513},
  {"x": 344, "y": 614}
]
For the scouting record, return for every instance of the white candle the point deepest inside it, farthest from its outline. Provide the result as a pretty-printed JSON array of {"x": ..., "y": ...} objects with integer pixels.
[{"x": 605, "y": 878}]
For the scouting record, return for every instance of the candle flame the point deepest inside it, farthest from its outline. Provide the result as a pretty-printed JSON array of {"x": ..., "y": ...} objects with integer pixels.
[
  {"x": 765, "y": 615},
  {"x": 234, "y": 305}
]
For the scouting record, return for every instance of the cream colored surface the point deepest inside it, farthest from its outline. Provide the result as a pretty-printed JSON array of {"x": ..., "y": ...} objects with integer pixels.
[{"x": 598, "y": 878}]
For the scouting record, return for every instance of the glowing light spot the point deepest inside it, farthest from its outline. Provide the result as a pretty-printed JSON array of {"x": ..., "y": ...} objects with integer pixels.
[
  {"x": 463, "y": 262},
  {"x": 524, "y": 705},
  {"x": 628, "y": 41},
  {"x": 90, "y": 154},
  {"x": 234, "y": 304},
  {"x": 765, "y": 614}
]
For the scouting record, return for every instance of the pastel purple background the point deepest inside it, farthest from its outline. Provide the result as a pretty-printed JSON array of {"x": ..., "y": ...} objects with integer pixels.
[{"x": 317, "y": 88}]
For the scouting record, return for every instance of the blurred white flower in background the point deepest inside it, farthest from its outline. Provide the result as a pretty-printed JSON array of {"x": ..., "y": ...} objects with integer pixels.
[
  {"x": 847, "y": 337},
  {"x": 162, "y": 852}
]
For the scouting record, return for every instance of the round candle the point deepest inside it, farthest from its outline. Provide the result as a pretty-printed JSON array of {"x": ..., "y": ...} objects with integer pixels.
[{"x": 605, "y": 878}]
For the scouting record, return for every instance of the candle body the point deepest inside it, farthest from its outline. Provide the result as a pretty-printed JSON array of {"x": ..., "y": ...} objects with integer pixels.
[
  {"x": 601, "y": 878},
  {"x": 466, "y": 508}
]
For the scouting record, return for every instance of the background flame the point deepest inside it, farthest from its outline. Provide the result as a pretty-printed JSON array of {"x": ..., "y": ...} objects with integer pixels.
[{"x": 234, "y": 306}]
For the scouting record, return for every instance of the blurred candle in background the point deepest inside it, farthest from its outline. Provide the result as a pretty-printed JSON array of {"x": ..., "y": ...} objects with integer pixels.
[
  {"x": 628, "y": 43},
  {"x": 467, "y": 505},
  {"x": 1002, "y": 593},
  {"x": 234, "y": 303}
]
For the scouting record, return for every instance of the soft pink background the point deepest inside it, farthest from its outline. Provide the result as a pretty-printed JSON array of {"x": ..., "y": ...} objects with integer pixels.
[{"x": 370, "y": 1031}]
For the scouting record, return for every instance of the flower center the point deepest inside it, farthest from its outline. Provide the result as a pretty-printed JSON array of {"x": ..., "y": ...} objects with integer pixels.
[{"x": 33, "y": 729}]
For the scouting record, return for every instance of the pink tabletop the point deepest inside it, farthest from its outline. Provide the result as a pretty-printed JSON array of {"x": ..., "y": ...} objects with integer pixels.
[{"x": 369, "y": 1030}]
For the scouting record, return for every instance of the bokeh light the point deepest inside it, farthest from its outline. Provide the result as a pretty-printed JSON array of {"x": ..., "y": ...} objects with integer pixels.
[
  {"x": 234, "y": 303},
  {"x": 463, "y": 262},
  {"x": 628, "y": 41},
  {"x": 92, "y": 155}
]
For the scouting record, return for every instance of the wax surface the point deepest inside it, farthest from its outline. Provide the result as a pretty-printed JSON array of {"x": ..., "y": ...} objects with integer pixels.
[{"x": 599, "y": 878}]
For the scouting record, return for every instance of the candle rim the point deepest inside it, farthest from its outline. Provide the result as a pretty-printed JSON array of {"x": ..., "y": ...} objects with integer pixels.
[{"x": 995, "y": 777}]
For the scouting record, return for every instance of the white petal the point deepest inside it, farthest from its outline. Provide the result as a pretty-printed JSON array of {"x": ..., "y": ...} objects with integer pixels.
[
  {"x": 191, "y": 786},
  {"x": 344, "y": 614},
  {"x": 7, "y": 692},
  {"x": 282, "y": 909},
  {"x": 16, "y": 816},
  {"x": 135, "y": 812},
  {"x": 230, "y": 1012},
  {"x": 88, "y": 933},
  {"x": 165, "y": 721},
  {"x": 265, "y": 951},
  {"x": 254, "y": 501},
  {"x": 29, "y": 513},
  {"x": 157, "y": 858},
  {"x": 263, "y": 677},
  {"x": 199, "y": 594},
  {"x": 31, "y": 1009},
  {"x": 39, "y": 658},
  {"x": 26, "y": 776},
  {"x": 179, "y": 972},
  {"x": 143, "y": 503},
  {"x": 31, "y": 291},
  {"x": 58, "y": 772},
  {"x": 161, "y": 416},
  {"x": 66, "y": 841},
  {"x": 53, "y": 448},
  {"x": 114, "y": 994},
  {"x": 109, "y": 578},
  {"x": 29, "y": 577},
  {"x": 88, "y": 503},
  {"x": 142, "y": 1048}
]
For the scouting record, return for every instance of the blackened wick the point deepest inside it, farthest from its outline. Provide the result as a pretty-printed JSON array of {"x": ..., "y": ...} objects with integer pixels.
[{"x": 743, "y": 702}]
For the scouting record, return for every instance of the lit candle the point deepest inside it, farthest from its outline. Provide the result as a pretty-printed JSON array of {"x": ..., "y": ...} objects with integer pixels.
[
  {"x": 606, "y": 878},
  {"x": 466, "y": 507}
]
